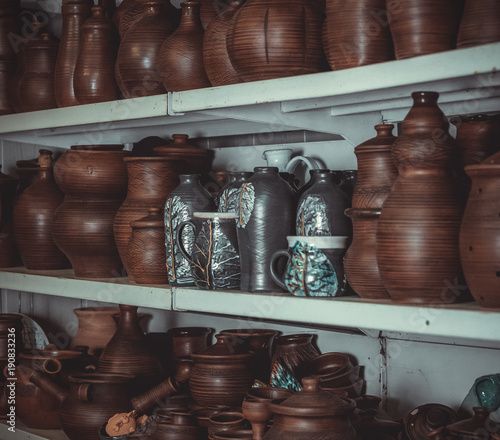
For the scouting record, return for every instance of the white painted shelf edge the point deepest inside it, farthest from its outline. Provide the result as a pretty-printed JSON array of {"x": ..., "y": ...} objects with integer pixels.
[
  {"x": 24, "y": 433},
  {"x": 465, "y": 320}
]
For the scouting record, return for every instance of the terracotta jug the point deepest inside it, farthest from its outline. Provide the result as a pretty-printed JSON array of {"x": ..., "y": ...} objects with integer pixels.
[
  {"x": 146, "y": 249},
  {"x": 33, "y": 220},
  {"x": 417, "y": 234},
  {"x": 180, "y": 60},
  {"x": 136, "y": 64},
  {"x": 94, "y": 182},
  {"x": 376, "y": 169},
  {"x": 74, "y": 13},
  {"x": 276, "y": 38},
  {"x": 480, "y": 23},
  {"x": 421, "y": 27},
  {"x": 150, "y": 182},
  {"x": 94, "y": 79},
  {"x": 216, "y": 60},
  {"x": 360, "y": 261},
  {"x": 95, "y": 328},
  {"x": 356, "y": 33}
]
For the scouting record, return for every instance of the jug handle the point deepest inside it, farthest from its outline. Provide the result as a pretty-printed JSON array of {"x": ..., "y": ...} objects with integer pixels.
[
  {"x": 272, "y": 266},
  {"x": 178, "y": 239},
  {"x": 311, "y": 163},
  {"x": 85, "y": 392}
]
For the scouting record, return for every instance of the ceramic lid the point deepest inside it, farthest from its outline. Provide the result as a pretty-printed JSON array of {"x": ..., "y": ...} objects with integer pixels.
[
  {"x": 312, "y": 401},
  {"x": 223, "y": 350},
  {"x": 180, "y": 149}
]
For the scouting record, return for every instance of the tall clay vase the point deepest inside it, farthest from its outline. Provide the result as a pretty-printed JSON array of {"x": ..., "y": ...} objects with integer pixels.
[
  {"x": 264, "y": 217},
  {"x": 96, "y": 327},
  {"x": 360, "y": 261},
  {"x": 421, "y": 27},
  {"x": 146, "y": 249},
  {"x": 480, "y": 233},
  {"x": 276, "y": 38},
  {"x": 417, "y": 235},
  {"x": 33, "y": 218},
  {"x": 74, "y": 14},
  {"x": 94, "y": 183},
  {"x": 187, "y": 198},
  {"x": 150, "y": 182},
  {"x": 216, "y": 60},
  {"x": 94, "y": 79},
  {"x": 128, "y": 353},
  {"x": 180, "y": 60},
  {"x": 480, "y": 23},
  {"x": 356, "y": 33},
  {"x": 376, "y": 169},
  {"x": 136, "y": 64}
]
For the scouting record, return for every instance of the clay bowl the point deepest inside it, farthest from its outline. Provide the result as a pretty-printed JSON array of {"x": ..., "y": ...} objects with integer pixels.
[
  {"x": 341, "y": 380},
  {"x": 203, "y": 414},
  {"x": 353, "y": 390},
  {"x": 239, "y": 434},
  {"x": 225, "y": 421},
  {"x": 328, "y": 365},
  {"x": 269, "y": 393}
]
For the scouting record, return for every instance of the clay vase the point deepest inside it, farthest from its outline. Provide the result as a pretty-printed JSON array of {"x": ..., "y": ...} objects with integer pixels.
[
  {"x": 150, "y": 181},
  {"x": 360, "y": 261},
  {"x": 227, "y": 198},
  {"x": 94, "y": 79},
  {"x": 74, "y": 13},
  {"x": 94, "y": 182},
  {"x": 321, "y": 207},
  {"x": 276, "y": 38},
  {"x": 356, "y": 33},
  {"x": 33, "y": 220},
  {"x": 95, "y": 328},
  {"x": 417, "y": 233},
  {"x": 6, "y": 72},
  {"x": 187, "y": 198},
  {"x": 264, "y": 217},
  {"x": 218, "y": 67},
  {"x": 312, "y": 413},
  {"x": 421, "y": 27},
  {"x": 146, "y": 249},
  {"x": 128, "y": 353},
  {"x": 33, "y": 86},
  {"x": 135, "y": 69},
  {"x": 376, "y": 169},
  {"x": 220, "y": 375},
  {"x": 180, "y": 59},
  {"x": 480, "y": 23},
  {"x": 479, "y": 233}
]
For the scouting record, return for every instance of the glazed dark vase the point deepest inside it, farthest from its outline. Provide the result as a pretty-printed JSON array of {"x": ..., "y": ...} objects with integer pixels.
[
  {"x": 480, "y": 23},
  {"x": 264, "y": 217},
  {"x": 321, "y": 208},
  {"x": 187, "y": 198},
  {"x": 417, "y": 234},
  {"x": 228, "y": 196}
]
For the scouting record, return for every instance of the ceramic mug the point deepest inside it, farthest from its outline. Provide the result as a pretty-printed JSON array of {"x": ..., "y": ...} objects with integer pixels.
[
  {"x": 314, "y": 266},
  {"x": 215, "y": 261}
]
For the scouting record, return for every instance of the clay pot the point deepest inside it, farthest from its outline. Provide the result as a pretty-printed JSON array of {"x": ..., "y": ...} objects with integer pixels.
[
  {"x": 33, "y": 220},
  {"x": 479, "y": 233},
  {"x": 376, "y": 169},
  {"x": 180, "y": 60},
  {"x": 417, "y": 233},
  {"x": 276, "y": 38},
  {"x": 146, "y": 249},
  {"x": 426, "y": 418},
  {"x": 94, "y": 182},
  {"x": 225, "y": 421},
  {"x": 94, "y": 79},
  {"x": 6, "y": 72},
  {"x": 74, "y": 13},
  {"x": 182, "y": 426},
  {"x": 220, "y": 375},
  {"x": 312, "y": 413},
  {"x": 480, "y": 23},
  {"x": 135, "y": 69},
  {"x": 356, "y": 33},
  {"x": 421, "y": 27},
  {"x": 218, "y": 67},
  {"x": 360, "y": 261},
  {"x": 95, "y": 328},
  {"x": 150, "y": 181}
]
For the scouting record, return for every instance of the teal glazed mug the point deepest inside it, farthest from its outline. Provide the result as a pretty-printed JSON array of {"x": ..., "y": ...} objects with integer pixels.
[
  {"x": 314, "y": 266},
  {"x": 215, "y": 259}
]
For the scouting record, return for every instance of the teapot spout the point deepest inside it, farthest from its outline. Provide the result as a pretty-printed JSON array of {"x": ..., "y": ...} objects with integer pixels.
[{"x": 45, "y": 383}]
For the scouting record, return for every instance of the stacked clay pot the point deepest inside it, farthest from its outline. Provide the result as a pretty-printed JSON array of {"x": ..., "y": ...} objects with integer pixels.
[{"x": 480, "y": 23}]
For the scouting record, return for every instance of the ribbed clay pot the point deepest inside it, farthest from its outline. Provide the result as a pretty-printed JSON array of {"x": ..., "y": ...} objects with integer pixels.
[
  {"x": 276, "y": 38},
  {"x": 480, "y": 23},
  {"x": 94, "y": 182},
  {"x": 150, "y": 182},
  {"x": 421, "y": 27},
  {"x": 180, "y": 59},
  {"x": 417, "y": 234}
]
